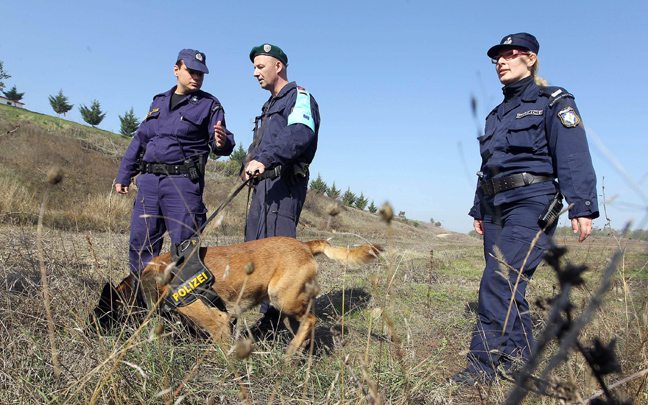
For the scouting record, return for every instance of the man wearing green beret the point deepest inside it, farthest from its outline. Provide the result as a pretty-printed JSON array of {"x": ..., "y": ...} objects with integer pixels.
[{"x": 284, "y": 145}]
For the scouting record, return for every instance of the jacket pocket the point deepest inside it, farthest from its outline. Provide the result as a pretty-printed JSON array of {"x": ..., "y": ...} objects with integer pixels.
[
  {"x": 486, "y": 145},
  {"x": 191, "y": 119},
  {"x": 525, "y": 134}
]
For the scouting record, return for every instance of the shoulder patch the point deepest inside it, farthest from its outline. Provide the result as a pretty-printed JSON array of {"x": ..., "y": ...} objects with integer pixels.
[
  {"x": 560, "y": 97},
  {"x": 301, "y": 112},
  {"x": 568, "y": 117},
  {"x": 152, "y": 112},
  {"x": 217, "y": 107},
  {"x": 555, "y": 94}
]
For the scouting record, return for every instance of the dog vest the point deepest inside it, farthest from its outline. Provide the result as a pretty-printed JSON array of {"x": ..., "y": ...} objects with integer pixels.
[{"x": 190, "y": 279}]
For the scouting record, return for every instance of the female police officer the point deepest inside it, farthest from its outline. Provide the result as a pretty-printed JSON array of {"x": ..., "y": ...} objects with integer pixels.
[{"x": 533, "y": 148}]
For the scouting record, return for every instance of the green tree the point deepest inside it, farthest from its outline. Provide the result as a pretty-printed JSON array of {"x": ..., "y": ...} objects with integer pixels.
[
  {"x": 348, "y": 198},
  {"x": 3, "y": 75},
  {"x": 372, "y": 207},
  {"x": 60, "y": 103},
  {"x": 438, "y": 224},
  {"x": 92, "y": 115},
  {"x": 416, "y": 224},
  {"x": 361, "y": 202},
  {"x": 333, "y": 192},
  {"x": 318, "y": 185},
  {"x": 13, "y": 94},
  {"x": 129, "y": 123},
  {"x": 238, "y": 155}
]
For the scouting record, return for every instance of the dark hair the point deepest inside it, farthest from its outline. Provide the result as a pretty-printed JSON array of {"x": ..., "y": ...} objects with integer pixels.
[{"x": 179, "y": 63}]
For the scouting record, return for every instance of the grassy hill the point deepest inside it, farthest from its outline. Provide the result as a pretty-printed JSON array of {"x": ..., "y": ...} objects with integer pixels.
[
  {"x": 390, "y": 332},
  {"x": 31, "y": 143}
]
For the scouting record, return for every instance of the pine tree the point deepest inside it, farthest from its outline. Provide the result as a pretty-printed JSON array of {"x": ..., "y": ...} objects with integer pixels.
[
  {"x": 60, "y": 103},
  {"x": 333, "y": 192},
  {"x": 348, "y": 198},
  {"x": 3, "y": 75},
  {"x": 13, "y": 94},
  {"x": 238, "y": 155},
  {"x": 361, "y": 202},
  {"x": 372, "y": 207},
  {"x": 318, "y": 185},
  {"x": 92, "y": 115},
  {"x": 129, "y": 123}
]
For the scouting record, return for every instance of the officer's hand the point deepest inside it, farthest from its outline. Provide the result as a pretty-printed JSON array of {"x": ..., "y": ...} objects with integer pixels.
[
  {"x": 220, "y": 135},
  {"x": 478, "y": 224},
  {"x": 585, "y": 225},
  {"x": 253, "y": 169},
  {"x": 121, "y": 189}
]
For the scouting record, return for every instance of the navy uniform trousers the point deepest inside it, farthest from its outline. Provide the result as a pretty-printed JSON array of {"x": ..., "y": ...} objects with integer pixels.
[
  {"x": 164, "y": 203},
  {"x": 510, "y": 229},
  {"x": 275, "y": 207}
]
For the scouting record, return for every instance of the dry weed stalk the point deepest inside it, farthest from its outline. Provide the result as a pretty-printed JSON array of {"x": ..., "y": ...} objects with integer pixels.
[
  {"x": 54, "y": 176},
  {"x": 601, "y": 359}
]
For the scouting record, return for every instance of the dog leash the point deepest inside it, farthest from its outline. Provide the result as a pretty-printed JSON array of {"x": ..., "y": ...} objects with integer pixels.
[{"x": 229, "y": 199}]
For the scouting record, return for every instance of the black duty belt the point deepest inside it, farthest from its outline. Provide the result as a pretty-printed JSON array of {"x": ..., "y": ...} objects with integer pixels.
[
  {"x": 162, "y": 168},
  {"x": 494, "y": 186},
  {"x": 268, "y": 174}
]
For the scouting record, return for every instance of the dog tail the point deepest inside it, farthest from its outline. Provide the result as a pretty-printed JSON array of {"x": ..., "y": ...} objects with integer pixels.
[{"x": 351, "y": 257}]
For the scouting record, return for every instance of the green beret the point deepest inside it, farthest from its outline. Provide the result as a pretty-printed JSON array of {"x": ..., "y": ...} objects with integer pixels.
[{"x": 271, "y": 50}]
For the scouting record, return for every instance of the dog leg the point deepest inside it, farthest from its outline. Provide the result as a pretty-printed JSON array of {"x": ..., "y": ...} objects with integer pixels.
[
  {"x": 293, "y": 304},
  {"x": 307, "y": 324},
  {"x": 213, "y": 320}
]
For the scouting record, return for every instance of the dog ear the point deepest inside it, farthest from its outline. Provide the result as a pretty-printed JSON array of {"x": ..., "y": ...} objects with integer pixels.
[{"x": 106, "y": 312}]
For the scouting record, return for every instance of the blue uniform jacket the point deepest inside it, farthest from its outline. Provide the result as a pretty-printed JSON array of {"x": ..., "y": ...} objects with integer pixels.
[
  {"x": 541, "y": 133},
  {"x": 192, "y": 120},
  {"x": 286, "y": 140}
]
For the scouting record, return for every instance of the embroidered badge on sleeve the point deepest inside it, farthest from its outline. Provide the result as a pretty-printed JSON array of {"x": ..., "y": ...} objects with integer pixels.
[{"x": 568, "y": 117}]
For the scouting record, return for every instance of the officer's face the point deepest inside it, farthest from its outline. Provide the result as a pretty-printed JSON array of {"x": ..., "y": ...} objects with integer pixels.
[
  {"x": 189, "y": 80},
  {"x": 511, "y": 70},
  {"x": 266, "y": 71}
]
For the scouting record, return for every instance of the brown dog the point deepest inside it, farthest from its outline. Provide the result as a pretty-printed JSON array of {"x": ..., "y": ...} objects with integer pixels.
[{"x": 283, "y": 267}]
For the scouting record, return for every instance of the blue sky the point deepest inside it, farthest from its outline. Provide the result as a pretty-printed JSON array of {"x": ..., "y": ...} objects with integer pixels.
[{"x": 393, "y": 80}]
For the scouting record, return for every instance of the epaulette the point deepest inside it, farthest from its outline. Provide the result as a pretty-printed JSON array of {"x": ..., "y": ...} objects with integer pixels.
[{"x": 555, "y": 94}]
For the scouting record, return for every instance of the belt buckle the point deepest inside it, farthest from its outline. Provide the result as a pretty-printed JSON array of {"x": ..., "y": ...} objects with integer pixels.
[{"x": 527, "y": 178}]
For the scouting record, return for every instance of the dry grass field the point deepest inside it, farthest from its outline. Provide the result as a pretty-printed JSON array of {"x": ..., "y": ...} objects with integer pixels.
[{"x": 390, "y": 332}]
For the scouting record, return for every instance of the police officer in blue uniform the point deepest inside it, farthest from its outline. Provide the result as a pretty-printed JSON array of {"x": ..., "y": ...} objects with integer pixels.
[
  {"x": 284, "y": 145},
  {"x": 170, "y": 150},
  {"x": 533, "y": 150}
]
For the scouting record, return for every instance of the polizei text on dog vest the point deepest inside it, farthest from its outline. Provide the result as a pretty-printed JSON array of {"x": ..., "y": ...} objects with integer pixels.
[{"x": 189, "y": 286}]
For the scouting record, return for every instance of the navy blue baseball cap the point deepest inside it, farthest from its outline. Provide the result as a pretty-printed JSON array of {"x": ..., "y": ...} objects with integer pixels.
[
  {"x": 194, "y": 60},
  {"x": 519, "y": 40}
]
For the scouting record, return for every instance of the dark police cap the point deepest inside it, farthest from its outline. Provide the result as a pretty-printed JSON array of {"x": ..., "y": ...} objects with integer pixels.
[
  {"x": 519, "y": 40},
  {"x": 194, "y": 60},
  {"x": 271, "y": 50}
]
